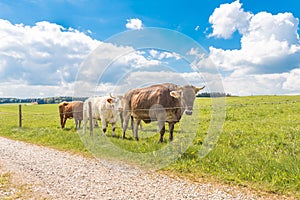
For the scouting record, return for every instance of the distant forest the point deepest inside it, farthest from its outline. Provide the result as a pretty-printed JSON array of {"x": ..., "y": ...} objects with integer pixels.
[
  {"x": 47, "y": 100},
  {"x": 56, "y": 100},
  {"x": 213, "y": 94}
]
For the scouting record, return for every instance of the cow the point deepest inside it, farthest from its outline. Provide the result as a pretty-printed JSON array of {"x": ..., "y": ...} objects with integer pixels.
[
  {"x": 162, "y": 103},
  {"x": 106, "y": 109},
  {"x": 69, "y": 110},
  {"x": 121, "y": 117}
]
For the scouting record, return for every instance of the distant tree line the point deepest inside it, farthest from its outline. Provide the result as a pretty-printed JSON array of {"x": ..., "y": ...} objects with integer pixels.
[
  {"x": 47, "y": 100},
  {"x": 56, "y": 100},
  {"x": 213, "y": 94}
]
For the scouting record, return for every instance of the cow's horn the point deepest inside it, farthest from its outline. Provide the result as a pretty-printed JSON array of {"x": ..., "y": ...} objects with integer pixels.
[
  {"x": 198, "y": 89},
  {"x": 111, "y": 96},
  {"x": 201, "y": 88}
]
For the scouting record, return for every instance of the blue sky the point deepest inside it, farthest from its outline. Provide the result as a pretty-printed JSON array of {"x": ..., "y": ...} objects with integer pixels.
[{"x": 255, "y": 44}]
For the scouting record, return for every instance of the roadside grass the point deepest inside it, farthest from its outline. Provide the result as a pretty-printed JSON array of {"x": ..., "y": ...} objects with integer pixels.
[
  {"x": 4, "y": 180},
  {"x": 10, "y": 190},
  {"x": 259, "y": 146},
  {"x": 41, "y": 125}
]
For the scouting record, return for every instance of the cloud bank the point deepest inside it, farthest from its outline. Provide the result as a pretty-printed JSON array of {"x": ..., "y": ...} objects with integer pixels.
[
  {"x": 45, "y": 55},
  {"x": 44, "y": 59},
  {"x": 269, "y": 57}
]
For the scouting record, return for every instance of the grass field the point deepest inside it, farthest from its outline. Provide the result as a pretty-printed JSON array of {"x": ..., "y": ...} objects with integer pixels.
[{"x": 259, "y": 146}]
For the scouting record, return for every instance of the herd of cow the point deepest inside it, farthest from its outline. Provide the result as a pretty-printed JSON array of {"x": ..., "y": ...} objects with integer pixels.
[{"x": 162, "y": 103}]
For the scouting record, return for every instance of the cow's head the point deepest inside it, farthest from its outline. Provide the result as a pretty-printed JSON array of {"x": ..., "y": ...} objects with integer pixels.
[
  {"x": 186, "y": 95},
  {"x": 61, "y": 108},
  {"x": 116, "y": 102}
]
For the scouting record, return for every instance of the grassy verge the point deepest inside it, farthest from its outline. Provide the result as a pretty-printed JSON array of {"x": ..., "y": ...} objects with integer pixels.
[
  {"x": 258, "y": 148},
  {"x": 10, "y": 190},
  {"x": 41, "y": 125}
]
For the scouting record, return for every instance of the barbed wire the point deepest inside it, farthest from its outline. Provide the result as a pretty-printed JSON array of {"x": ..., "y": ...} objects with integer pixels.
[
  {"x": 158, "y": 109},
  {"x": 264, "y": 103}
]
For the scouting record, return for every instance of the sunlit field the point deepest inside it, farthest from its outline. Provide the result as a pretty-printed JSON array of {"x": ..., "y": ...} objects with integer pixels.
[{"x": 259, "y": 146}]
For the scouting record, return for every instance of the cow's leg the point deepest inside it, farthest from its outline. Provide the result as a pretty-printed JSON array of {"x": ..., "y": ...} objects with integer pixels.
[
  {"x": 136, "y": 123},
  {"x": 76, "y": 124},
  {"x": 141, "y": 127},
  {"x": 104, "y": 126},
  {"x": 95, "y": 122},
  {"x": 171, "y": 129},
  {"x": 162, "y": 129},
  {"x": 84, "y": 125},
  {"x": 113, "y": 126},
  {"x": 126, "y": 117},
  {"x": 64, "y": 122},
  {"x": 79, "y": 123},
  {"x": 61, "y": 120},
  {"x": 131, "y": 123},
  {"x": 121, "y": 117},
  {"x": 85, "y": 119}
]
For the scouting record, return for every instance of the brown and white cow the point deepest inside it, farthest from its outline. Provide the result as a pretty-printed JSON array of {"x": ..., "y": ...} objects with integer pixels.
[
  {"x": 162, "y": 103},
  {"x": 106, "y": 109},
  {"x": 69, "y": 110}
]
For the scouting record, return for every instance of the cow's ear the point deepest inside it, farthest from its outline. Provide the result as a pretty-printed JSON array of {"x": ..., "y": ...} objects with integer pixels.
[
  {"x": 109, "y": 100},
  {"x": 175, "y": 94}
]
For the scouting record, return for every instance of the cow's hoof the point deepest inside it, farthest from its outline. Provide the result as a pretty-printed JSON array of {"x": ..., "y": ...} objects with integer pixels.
[{"x": 137, "y": 139}]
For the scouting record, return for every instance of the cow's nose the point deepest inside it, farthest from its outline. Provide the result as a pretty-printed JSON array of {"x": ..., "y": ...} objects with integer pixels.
[{"x": 189, "y": 112}]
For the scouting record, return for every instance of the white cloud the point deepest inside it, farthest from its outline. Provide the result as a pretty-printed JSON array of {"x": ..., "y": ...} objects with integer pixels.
[
  {"x": 47, "y": 59},
  {"x": 41, "y": 56},
  {"x": 23, "y": 90},
  {"x": 50, "y": 60},
  {"x": 255, "y": 84},
  {"x": 268, "y": 41},
  {"x": 270, "y": 45},
  {"x": 292, "y": 82},
  {"x": 135, "y": 24},
  {"x": 146, "y": 78},
  {"x": 136, "y": 79},
  {"x": 270, "y": 37},
  {"x": 44, "y": 47},
  {"x": 161, "y": 55},
  {"x": 269, "y": 57},
  {"x": 260, "y": 84},
  {"x": 229, "y": 18},
  {"x": 138, "y": 60},
  {"x": 110, "y": 65}
]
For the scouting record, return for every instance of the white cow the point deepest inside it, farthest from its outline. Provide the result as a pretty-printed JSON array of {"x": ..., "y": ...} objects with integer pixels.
[{"x": 105, "y": 108}]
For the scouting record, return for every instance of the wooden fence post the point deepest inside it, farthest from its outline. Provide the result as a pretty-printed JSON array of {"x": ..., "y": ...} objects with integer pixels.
[
  {"x": 91, "y": 118},
  {"x": 20, "y": 115}
]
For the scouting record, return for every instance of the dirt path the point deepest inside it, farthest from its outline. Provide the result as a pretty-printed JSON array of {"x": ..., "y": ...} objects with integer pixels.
[{"x": 52, "y": 174}]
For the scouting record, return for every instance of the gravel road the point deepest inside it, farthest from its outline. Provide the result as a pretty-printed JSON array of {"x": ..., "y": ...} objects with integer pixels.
[{"x": 53, "y": 174}]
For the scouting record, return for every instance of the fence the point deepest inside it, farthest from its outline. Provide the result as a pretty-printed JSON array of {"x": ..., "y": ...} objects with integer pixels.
[
  {"x": 32, "y": 115},
  {"x": 20, "y": 114}
]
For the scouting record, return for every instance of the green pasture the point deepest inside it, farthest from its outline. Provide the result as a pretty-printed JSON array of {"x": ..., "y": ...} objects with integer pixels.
[{"x": 259, "y": 146}]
